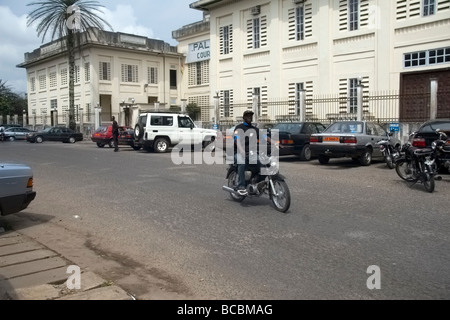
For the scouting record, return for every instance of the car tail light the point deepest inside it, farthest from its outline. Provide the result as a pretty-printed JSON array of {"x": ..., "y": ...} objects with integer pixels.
[
  {"x": 313, "y": 139},
  {"x": 30, "y": 183},
  {"x": 348, "y": 140},
  {"x": 419, "y": 143},
  {"x": 287, "y": 141}
]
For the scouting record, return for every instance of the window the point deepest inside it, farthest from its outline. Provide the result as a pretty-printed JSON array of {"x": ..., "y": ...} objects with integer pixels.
[
  {"x": 152, "y": 75},
  {"x": 198, "y": 73},
  {"x": 300, "y": 23},
  {"x": 425, "y": 58},
  {"x": 226, "y": 40},
  {"x": 32, "y": 84},
  {"x": 439, "y": 56},
  {"x": 53, "y": 104},
  {"x": 105, "y": 71},
  {"x": 256, "y": 34},
  {"x": 226, "y": 103},
  {"x": 352, "y": 95},
  {"x": 77, "y": 74},
  {"x": 87, "y": 72},
  {"x": 298, "y": 88},
  {"x": 161, "y": 121},
  {"x": 129, "y": 73},
  {"x": 53, "y": 79},
  {"x": 64, "y": 77},
  {"x": 173, "y": 79},
  {"x": 185, "y": 122},
  {"x": 42, "y": 82},
  {"x": 428, "y": 7},
  {"x": 353, "y": 14}
]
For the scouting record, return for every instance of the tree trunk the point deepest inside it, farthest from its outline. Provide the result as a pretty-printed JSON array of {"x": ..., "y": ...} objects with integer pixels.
[{"x": 71, "y": 53}]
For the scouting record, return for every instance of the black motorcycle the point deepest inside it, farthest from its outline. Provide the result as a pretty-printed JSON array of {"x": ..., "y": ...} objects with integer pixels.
[
  {"x": 419, "y": 164},
  {"x": 261, "y": 179},
  {"x": 442, "y": 150},
  {"x": 390, "y": 152}
]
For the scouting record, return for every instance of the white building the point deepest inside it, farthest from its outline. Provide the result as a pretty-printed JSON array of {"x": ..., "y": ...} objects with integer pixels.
[
  {"x": 114, "y": 71},
  {"x": 275, "y": 48}
]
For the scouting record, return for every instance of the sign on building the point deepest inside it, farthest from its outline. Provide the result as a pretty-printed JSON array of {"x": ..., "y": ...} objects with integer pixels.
[{"x": 198, "y": 51}]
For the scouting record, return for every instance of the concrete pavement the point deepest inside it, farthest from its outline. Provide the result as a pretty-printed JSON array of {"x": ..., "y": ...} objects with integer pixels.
[{"x": 30, "y": 271}]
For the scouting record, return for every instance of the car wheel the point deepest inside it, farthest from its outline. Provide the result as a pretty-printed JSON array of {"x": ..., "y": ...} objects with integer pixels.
[
  {"x": 161, "y": 145},
  {"x": 11, "y": 138},
  {"x": 39, "y": 139},
  {"x": 72, "y": 140},
  {"x": 324, "y": 159},
  {"x": 366, "y": 158},
  {"x": 306, "y": 153},
  {"x": 100, "y": 145}
]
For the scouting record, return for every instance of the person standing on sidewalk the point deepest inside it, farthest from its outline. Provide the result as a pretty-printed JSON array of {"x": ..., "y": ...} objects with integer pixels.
[{"x": 115, "y": 130}]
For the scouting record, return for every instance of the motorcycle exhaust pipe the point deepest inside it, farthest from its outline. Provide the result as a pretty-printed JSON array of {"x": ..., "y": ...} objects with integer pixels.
[{"x": 230, "y": 190}]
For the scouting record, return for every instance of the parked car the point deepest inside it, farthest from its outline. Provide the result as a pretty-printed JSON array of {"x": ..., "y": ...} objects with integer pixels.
[
  {"x": 353, "y": 139},
  {"x": 16, "y": 188},
  {"x": 62, "y": 134},
  {"x": 126, "y": 137},
  {"x": 426, "y": 134},
  {"x": 294, "y": 137},
  {"x": 16, "y": 133}
]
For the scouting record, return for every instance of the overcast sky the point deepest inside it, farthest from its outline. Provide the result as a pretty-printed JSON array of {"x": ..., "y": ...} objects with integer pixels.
[{"x": 151, "y": 18}]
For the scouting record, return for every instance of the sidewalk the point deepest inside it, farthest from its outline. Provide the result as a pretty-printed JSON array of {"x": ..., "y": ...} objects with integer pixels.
[{"x": 30, "y": 271}]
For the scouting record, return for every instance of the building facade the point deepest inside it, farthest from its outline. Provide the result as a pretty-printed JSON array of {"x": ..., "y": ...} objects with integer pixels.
[
  {"x": 274, "y": 49},
  {"x": 114, "y": 73}
]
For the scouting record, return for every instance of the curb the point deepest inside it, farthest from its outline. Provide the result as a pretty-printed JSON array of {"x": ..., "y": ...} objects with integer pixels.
[{"x": 31, "y": 271}]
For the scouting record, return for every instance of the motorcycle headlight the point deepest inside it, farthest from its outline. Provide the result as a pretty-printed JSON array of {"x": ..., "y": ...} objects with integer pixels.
[{"x": 433, "y": 145}]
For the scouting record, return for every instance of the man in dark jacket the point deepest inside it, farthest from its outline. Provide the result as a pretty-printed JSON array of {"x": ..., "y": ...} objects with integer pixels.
[
  {"x": 246, "y": 143},
  {"x": 115, "y": 131}
]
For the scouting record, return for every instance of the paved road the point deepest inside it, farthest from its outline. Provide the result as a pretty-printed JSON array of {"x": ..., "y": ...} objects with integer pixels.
[{"x": 173, "y": 223}]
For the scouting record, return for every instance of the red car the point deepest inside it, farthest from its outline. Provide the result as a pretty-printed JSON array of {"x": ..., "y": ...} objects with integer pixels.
[{"x": 103, "y": 136}]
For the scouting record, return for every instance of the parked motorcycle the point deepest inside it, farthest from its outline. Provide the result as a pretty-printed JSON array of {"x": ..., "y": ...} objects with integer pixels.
[
  {"x": 260, "y": 180},
  {"x": 390, "y": 152},
  {"x": 442, "y": 150},
  {"x": 419, "y": 164}
]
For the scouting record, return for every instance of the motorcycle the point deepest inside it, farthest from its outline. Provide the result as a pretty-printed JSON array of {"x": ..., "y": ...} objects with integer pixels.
[
  {"x": 261, "y": 179},
  {"x": 442, "y": 149},
  {"x": 390, "y": 152},
  {"x": 419, "y": 165}
]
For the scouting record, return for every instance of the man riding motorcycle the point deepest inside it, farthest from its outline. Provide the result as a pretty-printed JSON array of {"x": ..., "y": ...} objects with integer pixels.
[{"x": 246, "y": 143}]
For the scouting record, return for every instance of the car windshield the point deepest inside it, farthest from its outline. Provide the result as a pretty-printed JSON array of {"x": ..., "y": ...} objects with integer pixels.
[
  {"x": 432, "y": 127},
  {"x": 101, "y": 129},
  {"x": 46, "y": 129},
  {"x": 289, "y": 127},
  {"x": 345, "y": 127}
]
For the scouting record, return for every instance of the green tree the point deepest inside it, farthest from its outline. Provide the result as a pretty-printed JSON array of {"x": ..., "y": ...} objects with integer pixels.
[
  {"x": 10, "y": 103},
  {"x": 66, "y": 20},
  {"x": 193, "y": 110}
]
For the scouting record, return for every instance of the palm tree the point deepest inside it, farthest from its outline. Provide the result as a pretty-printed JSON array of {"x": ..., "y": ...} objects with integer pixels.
[{"x": 66, "y": 20}]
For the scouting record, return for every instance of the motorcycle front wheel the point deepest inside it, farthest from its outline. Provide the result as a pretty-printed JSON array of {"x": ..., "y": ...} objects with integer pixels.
[
  {"x": 390, "y": 162},
  {"x": 405, "y": 170},
  {"x": 233, "y": 180},
  {"x": 281, "y": 199},
  {"x": 428, "y": 181}
]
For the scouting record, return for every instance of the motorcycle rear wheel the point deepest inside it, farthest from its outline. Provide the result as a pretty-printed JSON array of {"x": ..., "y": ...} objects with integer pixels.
[
  {"x": 404, "y": 170},
  {"x": 233, "y": 180},
  {"x": 282, "y": 199}
]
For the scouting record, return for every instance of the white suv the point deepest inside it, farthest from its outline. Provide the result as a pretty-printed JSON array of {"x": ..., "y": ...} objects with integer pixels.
[{"x": 159, "y": 131}]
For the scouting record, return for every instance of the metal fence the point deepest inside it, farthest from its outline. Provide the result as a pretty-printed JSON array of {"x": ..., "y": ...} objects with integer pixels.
[{"x": 381, "y": 107}]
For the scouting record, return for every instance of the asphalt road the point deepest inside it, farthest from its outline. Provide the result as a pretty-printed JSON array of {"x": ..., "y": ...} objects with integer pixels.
[{"x": 176, "y": 222}]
